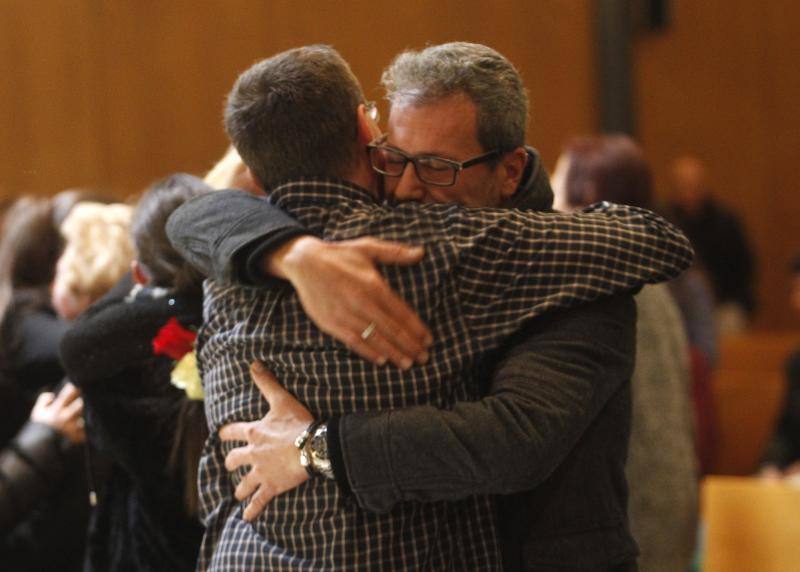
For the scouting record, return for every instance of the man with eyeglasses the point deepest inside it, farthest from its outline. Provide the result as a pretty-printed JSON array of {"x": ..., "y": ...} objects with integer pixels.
[{"x": 555, "y": 420}]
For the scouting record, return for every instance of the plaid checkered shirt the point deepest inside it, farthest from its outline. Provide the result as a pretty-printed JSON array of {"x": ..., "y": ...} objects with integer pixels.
[{"x": 484, "y": 273}]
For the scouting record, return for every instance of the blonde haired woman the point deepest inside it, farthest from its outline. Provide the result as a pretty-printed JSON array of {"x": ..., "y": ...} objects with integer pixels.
[{"x": 97, "y": 255}]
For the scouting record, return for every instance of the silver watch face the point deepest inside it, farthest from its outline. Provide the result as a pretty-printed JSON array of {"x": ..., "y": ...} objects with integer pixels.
[{"x": 319, "y": 443}]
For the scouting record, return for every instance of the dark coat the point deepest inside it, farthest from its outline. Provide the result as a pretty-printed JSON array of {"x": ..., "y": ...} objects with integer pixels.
[
  {"x": 46, "y": 518},
  {"x": 31, "y": 467},
  {"x": 140, "y": 522},
  {"x": 719, "y": 238},
  {"x": 29, "y": 363},
  {"x": 783, "y": 448}
]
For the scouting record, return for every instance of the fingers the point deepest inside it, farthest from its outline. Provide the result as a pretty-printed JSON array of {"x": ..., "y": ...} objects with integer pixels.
[
  {"x": 257, "y": 504},
  {"x": 267, "y": 384},
  {"x": 78, "y": 436},
  {"x": 246, "y": 486},
  {"x": 380, "y": 343},
  {"x": 68, "y": 394},
  {"x": 387, "y": 252},
  {"x": 401, "y": 327},
  {"x": 234, "y": 432},
  {"x": 74, "y": 409},
  {"x": 45, "y": 398},
  {"x": 360, "y": 347},
  {"x": 397, "y": 337},
  {"x": 404, "y": 322},
  {"x": 237, "y": 457},
  {"x": 399, "y": 333}
]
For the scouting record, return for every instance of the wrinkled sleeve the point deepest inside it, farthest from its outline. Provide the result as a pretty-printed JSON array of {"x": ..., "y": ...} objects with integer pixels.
[
  {"x": 226, "y": 233},
  {"x": 511, "y": 266},
  {"x": 555, "y": 378}
]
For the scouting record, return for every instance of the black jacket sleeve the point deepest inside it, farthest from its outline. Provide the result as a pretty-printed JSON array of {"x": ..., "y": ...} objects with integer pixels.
[
  {"x": 225, "y": 234},
  {"x": 783, "y": 447},
  {"x": 30, "y": 468},
  {"x": 545, "y": 391}
]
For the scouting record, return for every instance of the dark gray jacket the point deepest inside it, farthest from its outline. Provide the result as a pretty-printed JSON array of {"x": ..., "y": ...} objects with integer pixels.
[
  {"x": 554, "y": 423},
  {"x": 31, "y": 467}
]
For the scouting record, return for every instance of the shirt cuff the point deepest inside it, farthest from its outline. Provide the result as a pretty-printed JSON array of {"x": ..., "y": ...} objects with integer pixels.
[
  {"x": 248, "y": 261},
  {"x": 336, "y": 456}
]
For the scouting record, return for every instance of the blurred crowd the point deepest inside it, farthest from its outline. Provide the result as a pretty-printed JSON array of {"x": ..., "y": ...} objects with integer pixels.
[{"x": 99, "y": 447}]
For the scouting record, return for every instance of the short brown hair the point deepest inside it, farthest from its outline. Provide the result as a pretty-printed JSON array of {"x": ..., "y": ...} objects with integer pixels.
[{"x": 294, "y": 115}]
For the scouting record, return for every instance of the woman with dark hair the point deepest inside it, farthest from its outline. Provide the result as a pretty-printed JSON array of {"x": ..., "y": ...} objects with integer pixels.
[
  {"x": 29, "y": 329},
  {"x": 610, "y": 168},
  {"x": 45, "y": 520},
  {"x": 130, "y": 353},
  {"x": 661, "y": 468}
]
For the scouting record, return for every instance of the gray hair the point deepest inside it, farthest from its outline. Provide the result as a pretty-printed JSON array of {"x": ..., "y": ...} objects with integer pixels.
[
  {"x": 488, "y": 78},
  {"x": 294, "y": 115}
]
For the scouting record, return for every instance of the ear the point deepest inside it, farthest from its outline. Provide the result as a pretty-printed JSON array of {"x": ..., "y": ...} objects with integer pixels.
[
  {"x": 139, "y": 272},
  {"x": 368, "y": 130},
  {"x": 589, "y": 193},
  {"x": 247, "y": 181},
  {"x": 511, "y": 169}
]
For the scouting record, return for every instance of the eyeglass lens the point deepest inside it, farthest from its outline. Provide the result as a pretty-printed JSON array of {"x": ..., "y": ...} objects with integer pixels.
[{"x": 429, "y": 169}]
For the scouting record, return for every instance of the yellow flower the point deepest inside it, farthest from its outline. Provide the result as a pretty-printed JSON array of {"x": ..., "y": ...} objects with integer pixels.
[{"x": 186, "y": 377}]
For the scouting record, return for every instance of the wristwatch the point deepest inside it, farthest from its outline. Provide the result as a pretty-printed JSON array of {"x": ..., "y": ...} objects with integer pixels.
[{"x": 314, "y": 455}]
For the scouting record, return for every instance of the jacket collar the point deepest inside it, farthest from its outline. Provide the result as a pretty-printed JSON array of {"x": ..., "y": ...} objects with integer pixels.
[{"x": 534, "y": 191}]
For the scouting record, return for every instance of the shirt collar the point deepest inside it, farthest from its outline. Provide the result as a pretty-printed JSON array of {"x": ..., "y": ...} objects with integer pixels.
[{"x": 318, "y": 191}]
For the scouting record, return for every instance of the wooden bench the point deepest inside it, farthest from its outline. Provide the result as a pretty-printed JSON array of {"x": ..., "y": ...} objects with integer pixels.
[
  {"x": 750, "y": 525},
  {"x": 748, "y": 389}
]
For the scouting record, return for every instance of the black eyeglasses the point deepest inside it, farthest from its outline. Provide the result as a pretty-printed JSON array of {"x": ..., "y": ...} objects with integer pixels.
[{"x": 430, "y": 169}]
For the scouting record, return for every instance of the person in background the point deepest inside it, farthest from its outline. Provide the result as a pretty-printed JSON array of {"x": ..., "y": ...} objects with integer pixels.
[
  {"x": 719, "y": 239},
  {"x": 695, "y": 299},
  {"x": 29, "y": 329},
  {"x": 97, "y": 254},
  {"x": 34, "y": 464},
  {"x": 781, "y": 457},
  {"x": 662, "y": 468},
  {"x": 52, "y": 533},
  {"x": 132, "y": 355}
]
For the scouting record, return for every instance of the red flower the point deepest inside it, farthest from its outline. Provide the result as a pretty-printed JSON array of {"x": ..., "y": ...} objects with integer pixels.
[{"x": 173, "y": 340}]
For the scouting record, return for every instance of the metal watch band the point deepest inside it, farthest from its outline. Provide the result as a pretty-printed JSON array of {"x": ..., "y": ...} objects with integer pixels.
[
  {"x": 316, "y": 452},
  {"x": 302, "y": 438}
]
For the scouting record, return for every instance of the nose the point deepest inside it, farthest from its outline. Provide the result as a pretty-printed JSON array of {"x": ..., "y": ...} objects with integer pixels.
[{"x": 407, "y": 187}]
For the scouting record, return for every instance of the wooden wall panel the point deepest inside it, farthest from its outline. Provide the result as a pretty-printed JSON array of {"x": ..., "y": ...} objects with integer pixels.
[
  {"x": 723, "y": 83},
  {"x": 48, "y": 132},
  {"x": 115, "y": 93}
]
